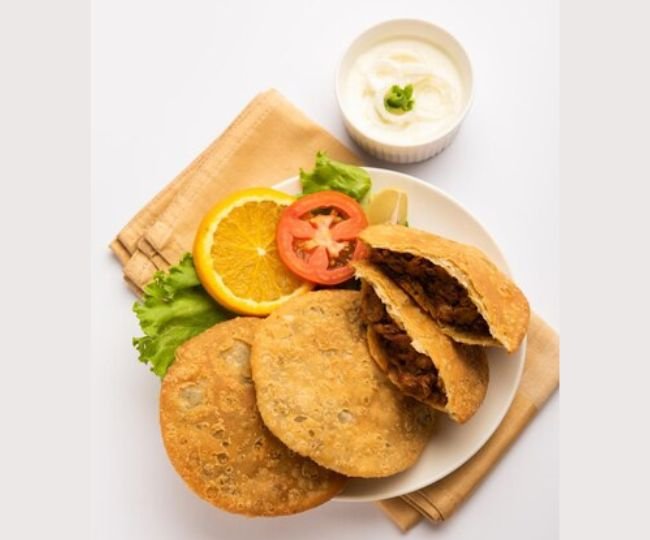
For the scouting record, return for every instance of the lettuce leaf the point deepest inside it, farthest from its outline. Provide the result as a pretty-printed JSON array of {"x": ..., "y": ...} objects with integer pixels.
[
  {"x": 173, "y": 309},
  {"x": 334, "y": 175}
]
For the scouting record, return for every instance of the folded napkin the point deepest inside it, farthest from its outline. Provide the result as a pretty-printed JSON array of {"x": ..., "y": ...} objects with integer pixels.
[
  {"x": 539, "y": 381},
  {"x": 269, "y": 141}
]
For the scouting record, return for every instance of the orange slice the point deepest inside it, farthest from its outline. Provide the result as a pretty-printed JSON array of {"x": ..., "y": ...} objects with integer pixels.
[{"x": 236, "y": 257}]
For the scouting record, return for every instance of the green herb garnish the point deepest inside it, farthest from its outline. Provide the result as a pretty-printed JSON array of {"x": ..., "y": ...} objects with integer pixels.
[{"x": 399, "y": 100}]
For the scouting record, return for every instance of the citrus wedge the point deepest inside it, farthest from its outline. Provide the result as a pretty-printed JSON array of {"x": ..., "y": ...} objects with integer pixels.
[
  {"x": 390, "y": 205},
  {"x": 236, "y": 257}
]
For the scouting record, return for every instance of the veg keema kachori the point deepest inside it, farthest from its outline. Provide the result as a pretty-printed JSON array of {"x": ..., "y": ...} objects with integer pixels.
[
  {"x": 216, "y": 440},
  {"x": 319, "y": 391}
]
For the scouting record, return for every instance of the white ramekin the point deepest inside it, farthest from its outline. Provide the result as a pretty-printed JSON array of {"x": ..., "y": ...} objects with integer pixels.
[{"x": 405, "y": 153}]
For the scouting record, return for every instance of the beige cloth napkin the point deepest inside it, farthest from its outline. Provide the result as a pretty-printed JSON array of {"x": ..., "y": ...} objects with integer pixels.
[
  {"x": 540, "y": 379},
  {"x": 268, "y": 142}
]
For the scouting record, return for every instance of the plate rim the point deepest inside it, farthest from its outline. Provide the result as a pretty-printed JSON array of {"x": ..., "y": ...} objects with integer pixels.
[{"x": 341, "y": 497}]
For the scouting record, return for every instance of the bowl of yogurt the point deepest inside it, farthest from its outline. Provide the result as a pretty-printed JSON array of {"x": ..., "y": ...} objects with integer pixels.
[{"x": 404, "y": 87}]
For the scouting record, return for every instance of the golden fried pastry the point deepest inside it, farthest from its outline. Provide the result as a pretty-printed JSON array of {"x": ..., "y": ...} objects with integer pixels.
[
  {"x": 417, "y": 357},
  {"x": 470, "y": 299},
  {"x": 215, "y": 437},
  {"x": 319, "y": 391}
]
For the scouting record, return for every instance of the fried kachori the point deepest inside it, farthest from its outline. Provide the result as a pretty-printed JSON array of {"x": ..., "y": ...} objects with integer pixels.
[
  {"x": 216, "y": 440},
  {"x": 319, "y": 391},
  {"x": 415, "y": 354},
  {"x": 456, "y": 284}
]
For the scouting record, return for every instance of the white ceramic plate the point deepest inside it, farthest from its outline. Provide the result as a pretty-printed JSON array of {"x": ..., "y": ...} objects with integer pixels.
[{"x": 452, "y": 445}]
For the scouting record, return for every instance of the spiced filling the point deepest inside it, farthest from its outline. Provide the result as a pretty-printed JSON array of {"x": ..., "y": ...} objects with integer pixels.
[
  {"x": 415, "y": 373},
  {"x": 433, "y": 289}
]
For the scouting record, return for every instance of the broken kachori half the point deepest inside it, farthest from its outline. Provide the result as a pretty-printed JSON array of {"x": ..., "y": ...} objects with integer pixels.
[
  {"x": 415, "y": 354},
  {"x": 319, "y": 391},
  {"x": 469, "y": 298},
  {"x": 216, "y": 440}
]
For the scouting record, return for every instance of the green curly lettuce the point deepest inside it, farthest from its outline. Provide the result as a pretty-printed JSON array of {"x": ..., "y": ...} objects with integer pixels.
[
  {"x": 334, "y": 175},
  {"x": 173, "y": 309}
]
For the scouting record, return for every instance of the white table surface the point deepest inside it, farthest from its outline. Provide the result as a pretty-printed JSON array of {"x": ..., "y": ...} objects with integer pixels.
[{"x": 166, "y": 80}]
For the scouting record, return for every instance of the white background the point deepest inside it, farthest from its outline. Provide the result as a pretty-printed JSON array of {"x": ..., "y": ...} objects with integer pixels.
[{"x": 166, "y": 80}]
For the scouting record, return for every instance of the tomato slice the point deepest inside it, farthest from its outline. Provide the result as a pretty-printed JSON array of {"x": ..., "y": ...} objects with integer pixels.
[{"x": 317, "y": 237}]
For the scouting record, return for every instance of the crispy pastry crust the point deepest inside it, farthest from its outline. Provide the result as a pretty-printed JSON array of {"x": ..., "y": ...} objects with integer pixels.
[
  {"x": 497, "y": 298},
  {"x": 462, "y": 368},
  {"x": 215, "y": 438},
  {"x": 319, "y": 391}
]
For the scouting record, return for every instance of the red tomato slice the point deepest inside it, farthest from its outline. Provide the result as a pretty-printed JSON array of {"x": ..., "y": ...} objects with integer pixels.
[{"x": 317, "y": 237}]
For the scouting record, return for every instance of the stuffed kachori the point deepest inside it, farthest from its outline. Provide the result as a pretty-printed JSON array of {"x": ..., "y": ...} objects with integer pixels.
[
  {"x": 415, "y": 354},
  {"x": 469, "y": 298},
  {"x": 319, "y": 391},
  {"x": 216, "y": 440}
]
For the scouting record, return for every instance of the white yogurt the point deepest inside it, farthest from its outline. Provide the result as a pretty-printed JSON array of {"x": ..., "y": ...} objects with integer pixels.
[{"x": 437, "y": 90}]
